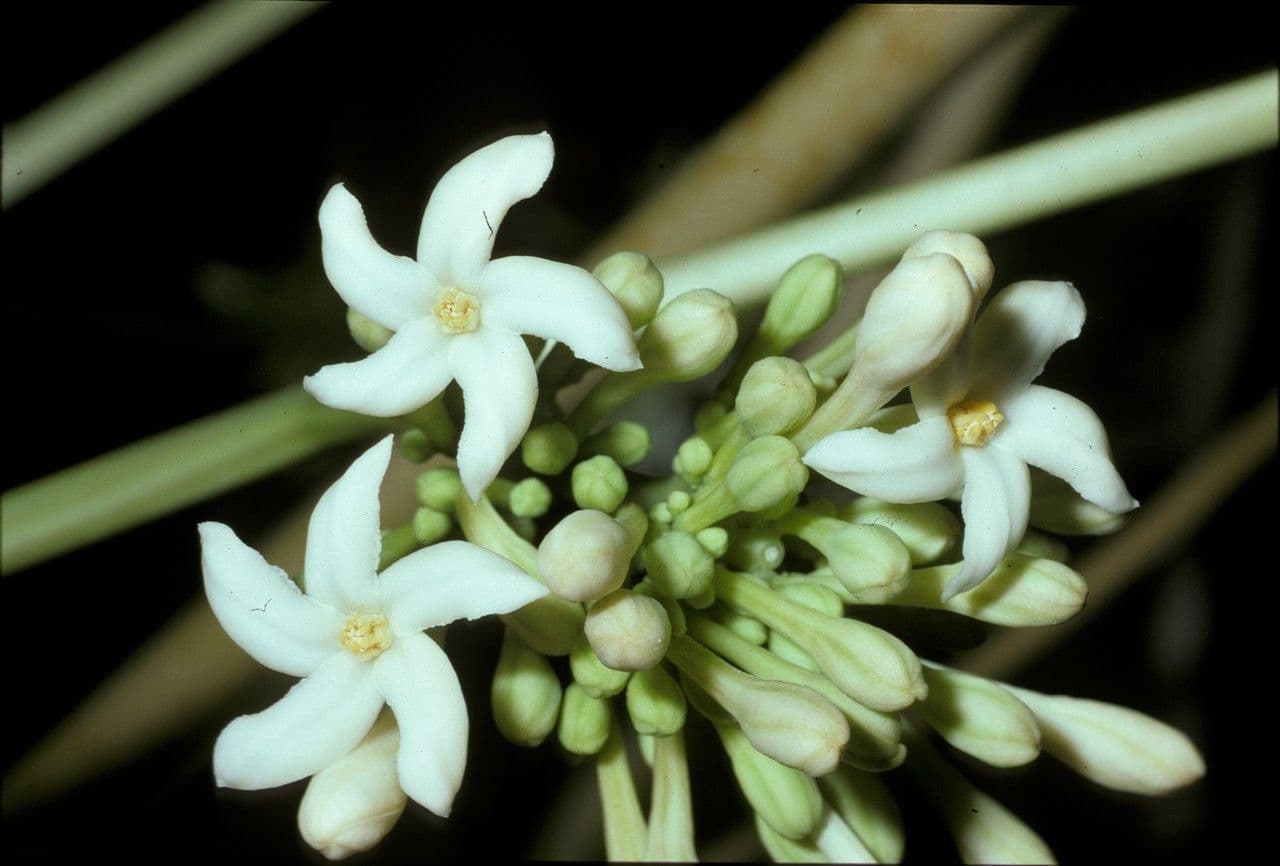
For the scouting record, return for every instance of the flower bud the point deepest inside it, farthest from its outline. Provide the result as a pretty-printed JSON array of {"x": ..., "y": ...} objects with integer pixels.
[
  {"x": 1037, "y": 544},
  {"x": 1022, "y": 591},
  {"x": 689, "y": 337},
  {"x": 599, "y": 483},
  {"x": 837, "y": 841},
  {"x": 414, "y": 445},
  {"x": 755, "y": 550},
  {"x": 870, "y": 561},
  {"x": 525, "y": 695},
  {"x": 929, "y": 530},
  {"x": 590, "y": 673},
  {"x": 548, "y": 448},
  {"x": 714, "y": 540},
  {"x": 693, "y": 459},
  {"x": 814, "y": 596},
  {"x": 864, "y": 803},
  {"x": 626, "y": 442},
  {"x": 584, "y": 722},
  {"x": 979, "y": 718},
  {"x": 807, "y": 296},
  {"x": 655, "y": 702},
  {"x": 767, "y": 471},
  {"x": 584, "y": 556},
  {"x": 628, "y": 631},
  {"x": 966, "y": 249},
  {"x": 529, "y": 498},
  {"x": 751, "y": 630},
  {"x": 637, "y": 284},
  {"x": 438, "y": 488},
  {"x": 678, "y": 565},
  {"x": 353, "y": 803},
  {"x": 776, "y": 396},
  {"x": 429, "y": 525},
  {"x": 368, "y": 334},
  {"x": 784, "y": 850},
  {"x": 1056, "y": 507},
  {"x": 1114, "y": 746}
]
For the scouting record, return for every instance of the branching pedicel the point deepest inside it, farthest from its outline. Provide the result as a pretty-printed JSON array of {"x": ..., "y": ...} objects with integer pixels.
[{"x": 730, "y": 585}]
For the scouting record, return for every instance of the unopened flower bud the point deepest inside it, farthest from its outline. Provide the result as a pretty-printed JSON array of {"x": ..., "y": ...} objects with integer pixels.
[
  {"x": 633, "y": 519},
  {"x": 599, "y": 483},
  {"x": 693, "y": 459},
  {"x": 655, "y": 702},
  {"x": 429, "y": 525},
  {"x": 628, "y": 631},
  {"x": 590, "y": 673},
  {"x": 637, "y": 284},
  {"x": 584, "y": 556},
  {"x": 353, "y": 803},
  {"x": 689, "y": 337},
  {"x": 814, "y": 596},
  {"x": 626, "y": 442},
  {"x": 1022, "y": 591},
  {"x": 767, "y": 471},
  {"x": 548, "y": 448},
  {"x": 584, "y": 721},
  {"x": 525, "y": 695},
  {"x": 368, "y": 334},
  {"x": 966, "y": 249},
  {"x": 751, "y": 630},
  {"x": 1056, "y": 507},
  {"x": 837, "y": 841},
  {"x": 864, "y": 803},
  {"x": 776, "y": 396},
  {"x": 678, "y": 565},
  {"x": 438, "y": 488},
  {"x": 979, "y": 718},
  {"x": 714, "y": 540},
  {"x": 529, "y": 498},
  {"x": 1043, "y": 546},
  {"x": 414, "y": 445},
  {"x": 790, "y": 653},
  {"x": 806, "y": 297},
  {"x": 870, "y": 561},
  {"x": 928, "y": 530}
]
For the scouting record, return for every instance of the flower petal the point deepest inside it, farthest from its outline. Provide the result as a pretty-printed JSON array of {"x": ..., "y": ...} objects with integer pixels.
[
  {"x": 1063, "y": 436},
  {"x": 406, "y": 373},
  {"x": 946, "y": 384},
  {"x": 994, "y": 504},
  {"x": 450, "y": 581},
  {"x": 261, "y": 608},
  {"x": 344, "y": 538},
  {"x": 1023, "y": 325},
  {"x": 318, "y": 721},
  {"x": 499, "y": 389},
  {"x": 421, "y": 688},
  {"x": 389, "y": 289},
  {"x": 918, "y": 463},
  {"x": 559, "y": 302},
  {"x": 469, "y": 202}
]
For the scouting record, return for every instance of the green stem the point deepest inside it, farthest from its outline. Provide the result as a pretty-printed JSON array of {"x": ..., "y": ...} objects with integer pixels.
[
  {"x": 624, "y": 827},
  {"x": 162, "y": 473}
]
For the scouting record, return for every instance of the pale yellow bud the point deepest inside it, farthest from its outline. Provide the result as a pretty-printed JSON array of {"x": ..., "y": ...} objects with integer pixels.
[
  {"x": 584, "y": 556},
  {"x": 628, "y": 631}
]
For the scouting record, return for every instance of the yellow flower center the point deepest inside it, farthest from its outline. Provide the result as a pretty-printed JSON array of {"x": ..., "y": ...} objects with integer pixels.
[
  {"x": 366, "y": 635},
  {"x": 974, "y": 422},
  {"x": 458, "y": 312}
]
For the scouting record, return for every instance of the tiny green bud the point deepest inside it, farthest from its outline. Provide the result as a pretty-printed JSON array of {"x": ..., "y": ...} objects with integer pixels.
[
  {"x": 689, "y": 337},
  {"x": 368, "y": 334},
  {"x": 714, "y": 540},
  {"x": 1022, "y": 591},
  {"x": 655, "y": 702},
  {"x": 584, "y": 556},
  {"x": 588, "y": 671},
  {"x": 868, "y": 808},
  {"x": 438, "y": 488},
  {"x": 693, "y": 459},
  {"x": 529, "y": 498},
  {"x": 599, "y": 483},
  {"x": 776, "y": 397},
  {"x": 637, "y": 284},
  {"x": 979, "y": 718},
  {"x": 414, "y": 445},
  {"x": 548, "y": 448},
  {"x": 584, "y": 722},
  {"x": 678, "y": 565},
  {"x": 767, "y": 471},
  {"x": 678, "y": 501},
  {"x": 928, "y": 530},
  {"x": 525, "y": 695},
  {"x": 661, "y": 513},
  {"x": 626, "y": 442},
  {"x": 429, "y": 525},
  {"x": 629, "y": 631}
]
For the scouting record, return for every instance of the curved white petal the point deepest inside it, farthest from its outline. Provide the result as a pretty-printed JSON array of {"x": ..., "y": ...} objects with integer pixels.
[
  {"x": 946, "y": 384},
  {"x": 559, "y": 302},
  {"x": 344, "y": 537},
  {"x": 318, "y": 721},
  {"x": 499, "y": 389},
  {"x": 469, "y": 202},
  {"x": 450, "y": 581},
  {"x": 262, "y": 609},
  {"x": 406, "y": 373},
  {"x": 915, "y": 464},
  {"x": 421, "y": 688},
  {"x": 1063, "y": 436},
  {"x": 1014, "y": 336},
  {"x": 391, "y": 290},
  {"x": 995, "y": 503}
]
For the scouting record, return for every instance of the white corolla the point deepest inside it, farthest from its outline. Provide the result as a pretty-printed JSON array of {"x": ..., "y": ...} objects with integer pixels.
[{"x": 357, "y": 639}]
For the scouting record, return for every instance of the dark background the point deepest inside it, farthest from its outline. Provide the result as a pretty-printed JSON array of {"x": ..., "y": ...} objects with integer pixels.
[{"x": 171, "y": 274}]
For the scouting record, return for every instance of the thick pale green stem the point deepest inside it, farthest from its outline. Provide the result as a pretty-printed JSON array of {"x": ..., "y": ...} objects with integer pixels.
[
  {"x": 162, "y": 473},
  {"x": 625, "y": 834},
  {"x": 671, "y": 814}
]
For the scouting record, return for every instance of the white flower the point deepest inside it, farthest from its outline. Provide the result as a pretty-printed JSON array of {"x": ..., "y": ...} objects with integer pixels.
[
  {"x": 979, "y": 428},
  {"x": 356, "y": 638},
  {"x": 458, "y": 315}
]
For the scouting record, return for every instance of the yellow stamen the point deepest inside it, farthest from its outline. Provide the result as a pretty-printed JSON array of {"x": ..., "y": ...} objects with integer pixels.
[
  {"x": 366, "y": 635},
  {"x": 458, "y": 312},
  {"x": 974, "y": 422}
]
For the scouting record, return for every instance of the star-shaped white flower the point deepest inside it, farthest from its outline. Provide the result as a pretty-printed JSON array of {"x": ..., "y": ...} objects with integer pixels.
[
  {"x": 356, "y": 638},
  {"x": 457, "y": 314},
  {"x": 980, "y": 426}
]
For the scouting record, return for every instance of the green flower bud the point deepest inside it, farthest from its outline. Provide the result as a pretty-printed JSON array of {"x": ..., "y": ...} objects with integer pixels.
[
  {"x": 632, "y": 518},
  {"x": 655, "y": 702},
  {"x": 714, "y": 540},
  {"x": 438, "y": 488},
  {"x": 789, "y": 652},
  {"x": 678, "y": 565},
  {"x": 661, "y": 513},
  {"x": 584, "y": 722},
  {"x": 871, "y": 562},
  {"x": 689, "y": 337},
  {"x": 979, "y": 718},
  {"x": 767, "y": 471},
  {"x": 628, "y": 631},
  {"x": 864, "y": 803},
  {"x": 784, "y": 850},
  {"x": 1022, "y": 591},
  {"x": 928, "y": 530},
  {"x": 599, "y": 483},
  {"x": 966, "y": 249},
  {"x": 588, "y": 671},
  {"x": 368, "y": 334},
  {"x": 548, "y": 448},
  {"x": 1056, "y": 507},
  {"x": 584, "y": 556},
  {"x": 529, "y": 498},
  {"x": 776, "y": 397},
  {"x": 814, "y": 596},
  {"x": 397, "y": 542},
  {"x": 693, "y": 459},
  {"x": 1043, "y": 546},
  {"x": 414, "y": 445},
  {"x": 525, "y": 695},
  {"x": 429, "y": 525},
  {"x": 626, "y": 442},
  {"x": 678, "y": 501},
  {"x": 635, "y": 282}
]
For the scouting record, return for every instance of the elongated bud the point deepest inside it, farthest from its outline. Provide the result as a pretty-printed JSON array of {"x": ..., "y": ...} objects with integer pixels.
[
  {"x": 1023, "y": 591},
  {"x": 870, "y": 561},
  {"x": 352, "y": 804},
  {"x": 525, "y": 695},
  {"x": 438, "y": 488},
  {"x": 776, "y": 396},
  {"x": 590, "y": 673},
  {"x": 628, "y": 631},
  {"x": 368, "y": 334},
  {"x": 637, "y": 284},
  {"x": 689, "y": 337},
  {"x": 599, "y": 483},
  {"x": 585, "y": 556},
  {"x": 655, "y": 702},
  {"x": 864, "y": 803},
  {"x": 966, "y": 249},
  {"x": 767, "y": 471},
  {"x": 529, "y": 498},
  {"x": 980, "y": 718},
  {"x": 1056, "y": 507},
  {"x": 678, "y": 565},
  {"x": 928, "y": 530},
  {"x": 784, "y": 850},
  {"x": 1114, "y": 746},
  {"x": 838, "y": 842},
  {"x": 626, "y": 442},
  {"x": 548, "y": 448},
  {"x": 814, "y": 596},
  {"x": 584, "y": 721}
]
